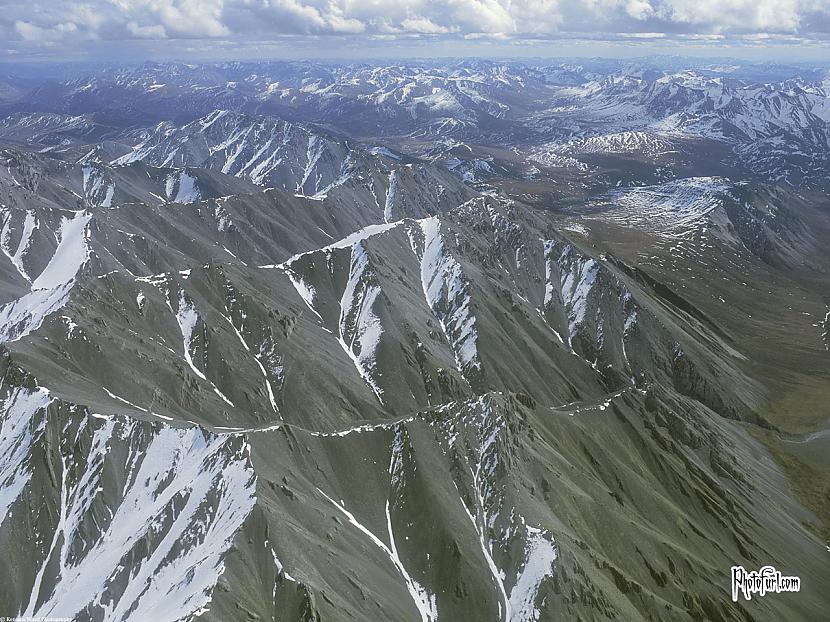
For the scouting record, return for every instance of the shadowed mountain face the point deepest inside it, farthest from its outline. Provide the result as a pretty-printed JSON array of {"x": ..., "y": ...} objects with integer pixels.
[{"x": 478, "y": 341}]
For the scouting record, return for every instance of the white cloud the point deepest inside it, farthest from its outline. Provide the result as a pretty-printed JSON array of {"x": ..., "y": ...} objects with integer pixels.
[
  {"x": 138, "y": 31},
  {"x": 639, "y": 9},
  {"x": 423, "y": 25},
  {"x": 33, "y": 32},
  {"x": 775, "y": 15},
  {"x": 263, "y": 20}
]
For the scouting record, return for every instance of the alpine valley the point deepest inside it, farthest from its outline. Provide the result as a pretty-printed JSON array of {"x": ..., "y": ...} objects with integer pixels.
[{"x": 424, "y": 341}]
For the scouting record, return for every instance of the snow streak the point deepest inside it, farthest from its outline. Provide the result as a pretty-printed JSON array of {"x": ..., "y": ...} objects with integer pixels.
[
  {"x": 188, "y": 318},
  {"x": 390, "y": 196},
  {"x": 22, "y": 425},
  {"x": 51, "y": 288},
  {"x": 577, "y": 275},
  {"x": 428, "y": 604},
  {"x": 416, "y": 592},
  {"x": 159, "y": 554},
  {"x": 360, "y": 328},
  {"x": 447, "y": 293},
  {"x": 30, "y": 224}
]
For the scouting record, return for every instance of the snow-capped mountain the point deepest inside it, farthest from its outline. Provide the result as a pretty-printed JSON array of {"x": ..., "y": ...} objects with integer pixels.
[
  {"x": 779, "y": 131},
  {"x": 425, "y": 341},
  {"x": 771, "y": 121}
]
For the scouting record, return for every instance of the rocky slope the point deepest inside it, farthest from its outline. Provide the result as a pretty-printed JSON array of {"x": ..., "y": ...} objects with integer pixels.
[{"x": 252, "y": 369}]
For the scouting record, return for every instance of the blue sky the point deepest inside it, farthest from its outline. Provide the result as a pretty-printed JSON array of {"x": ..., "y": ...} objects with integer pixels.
[{"x": 134, "y": 30}]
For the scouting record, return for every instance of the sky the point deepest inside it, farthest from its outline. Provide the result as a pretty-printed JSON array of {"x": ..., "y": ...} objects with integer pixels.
[{"x": 136, "y": 30}]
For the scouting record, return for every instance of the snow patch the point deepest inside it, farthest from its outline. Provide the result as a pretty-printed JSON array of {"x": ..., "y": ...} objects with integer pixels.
[
  {"x": 182, "y": 188},
  {"x": 188, "y": 318},
  {"x": 30, "y": 224},
  {"x": 51, "y": 289},
  {"x": 447, "y": 293},
  {"x": 540, "y": 556},
  {"x": 390, "y": 196},
  {"x": 22, "y": 424},
  {"x": 415, "y": 591},
  {"x": 360, "y": 328},
  {"x": 71, "y": 254},
  {"x": 185, "y": 497},
  {"x": 577, "y": 275}
]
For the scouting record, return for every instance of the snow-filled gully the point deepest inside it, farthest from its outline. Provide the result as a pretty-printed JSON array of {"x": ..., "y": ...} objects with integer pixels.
[
  {"x": 187, "y": 317},
  {"x": 421, "y": 598},
  {"x": 50, "y": 290},
  {"x": 446, "y": 292},
  {"x": 359, "y": 327}
]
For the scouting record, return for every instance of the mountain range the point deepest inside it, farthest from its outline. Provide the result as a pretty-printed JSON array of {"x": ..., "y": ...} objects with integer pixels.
[{"x": 468, "y": 340}]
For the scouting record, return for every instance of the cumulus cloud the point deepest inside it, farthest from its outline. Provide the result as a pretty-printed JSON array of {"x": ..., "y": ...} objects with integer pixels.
[
  {"x": 56, "y": 20},
  {"x": 32, "y": 32},
  {"x": 780, "y": 15},
  {"x": 156, "y": 31}
]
